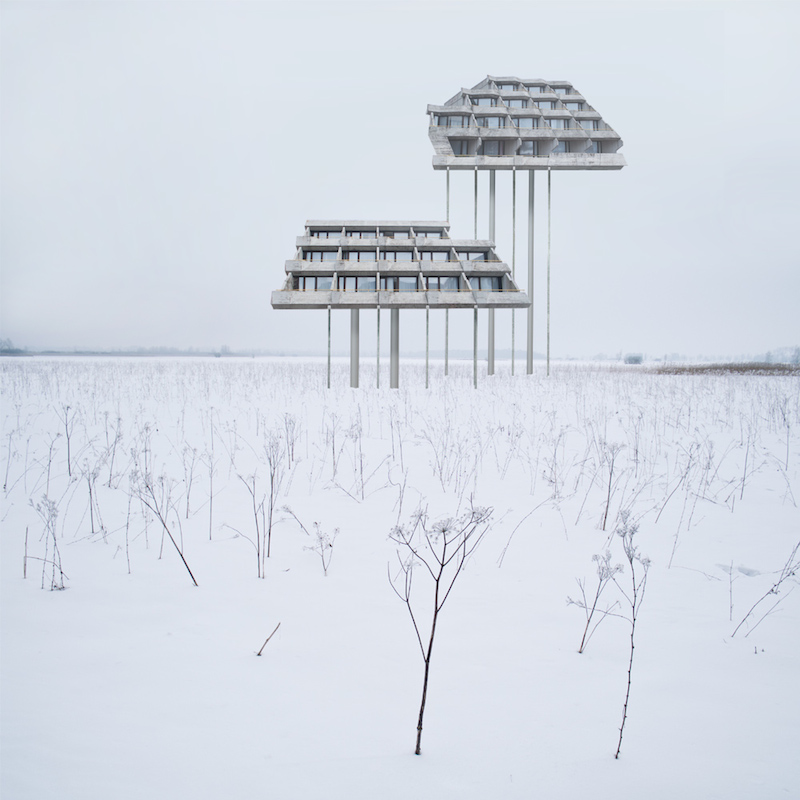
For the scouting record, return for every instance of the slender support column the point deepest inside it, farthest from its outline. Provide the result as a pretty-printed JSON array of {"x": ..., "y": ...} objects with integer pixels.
[
  {"x": 447, "y": 341},
  {"x": 394, "y": 348},
  {"x": 513, "y": 254},
  {"x": 354, "y": 348},
  {"x": 475, "y": 350},
  {"x": 548, "y": 272},
  {"x": 531, "y": 184},
  {"x": 490, "y": 326},
  {"x": 475, "y": 236},
  {"x": 378, "y": 368},
  {"x": 329, "y": 347},
  {"x": 448, "y": 195},
  {"x": 427, "y": 343},
  {"x": 447, "y": 310}
]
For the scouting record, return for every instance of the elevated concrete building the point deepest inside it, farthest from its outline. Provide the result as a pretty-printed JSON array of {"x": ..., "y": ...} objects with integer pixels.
[
  {"x": 357, "y": 264},
  {"x": 509, "y": 123}
]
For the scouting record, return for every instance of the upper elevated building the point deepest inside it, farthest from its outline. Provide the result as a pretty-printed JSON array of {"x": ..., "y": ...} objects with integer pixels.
[{"x": 510, "y": 123}]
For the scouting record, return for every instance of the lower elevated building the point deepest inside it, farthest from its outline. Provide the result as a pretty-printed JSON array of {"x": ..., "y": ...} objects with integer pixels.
[{"x": 392, "y": 265}]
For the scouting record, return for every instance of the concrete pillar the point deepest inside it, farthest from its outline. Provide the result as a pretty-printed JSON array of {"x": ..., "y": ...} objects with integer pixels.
[
  {"x": 427, "y": 344},
  {"x": 447, "y": 341},
  {"x": 475, "y": 349},
  {"x": 475, "y": 235},
  {"x": 329, "y": 347},
  {"x": 548, "y": 273},
  {"x": 354, "y": 348},
  {"x": 513, "y": 257},
  {"x": 378, "y": 366},
  {"x": 490, "y": 326},
  {"x": 531, "y": 184},
  {"x": 448, "y": 195},
  {"x": 394, "y": 349}
]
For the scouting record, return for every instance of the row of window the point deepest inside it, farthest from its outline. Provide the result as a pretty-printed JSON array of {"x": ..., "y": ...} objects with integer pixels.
[
  {"x": 509, "y": 147},
  {"x": 522, "y": 102},
  {"x": 372, "y": 234},
  {"x": 459, "y": 121},
  {"x": 433, "y": 283},
  {"x": 533, "y": 89},
  {"x": 395, "y": 255}
]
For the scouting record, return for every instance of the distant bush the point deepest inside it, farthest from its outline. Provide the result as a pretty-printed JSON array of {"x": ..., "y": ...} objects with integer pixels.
[
  {"x": 748, "y": 368},
  {"x": 633, "y": 358}
]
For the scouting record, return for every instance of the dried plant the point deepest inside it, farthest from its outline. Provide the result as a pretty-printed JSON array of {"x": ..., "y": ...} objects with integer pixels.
[{"x": 438, "y": 552}]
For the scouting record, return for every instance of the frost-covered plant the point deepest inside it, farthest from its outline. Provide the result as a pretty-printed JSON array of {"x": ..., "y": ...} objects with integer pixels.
[
  {"x": 608, "y": 457},
  {"x": 48, "y": 513},
  {"x": 438, "y": 551},
  {"x": 789, "y": 570},
  {"x": 605, "y": 575},
  {"x": 323, "y": 541},
  {"x": 158, "y": 501},
  {"x": 323, "y": 546},
  {"x": 634, "y": 596},
  {"x": 273, "y": 452}
]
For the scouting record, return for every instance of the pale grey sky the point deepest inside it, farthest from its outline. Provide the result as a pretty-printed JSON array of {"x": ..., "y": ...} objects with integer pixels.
[{"x": 158, "y": 160}]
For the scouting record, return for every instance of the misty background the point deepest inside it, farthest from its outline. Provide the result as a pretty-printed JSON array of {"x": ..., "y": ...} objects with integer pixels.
[{"x": 158, "y": 160}]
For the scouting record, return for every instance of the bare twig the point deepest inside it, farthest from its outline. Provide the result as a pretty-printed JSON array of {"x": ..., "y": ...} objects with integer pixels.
[{"x": 267, "y": 640}]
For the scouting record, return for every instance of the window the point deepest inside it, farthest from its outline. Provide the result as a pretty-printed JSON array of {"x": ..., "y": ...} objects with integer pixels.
[
  {"x": 408, "y": 284},
  {"x": 319, "y": 255},
  {"x": 595, "y": 147},
  {"x": 442, "y": 284},
  {"x": 471, "y": 255},
  {"x": 460, "y": 147},
  {"x": 517, "y": 103},
  {"x": 556, "y": 123},
  {"x": 359, "y": 255},
  {"x": 484, "y": 284},
  {"x": 535, "y": 89},
  {"x": 452, "y": 122},
  {"x": 429, "y": 234},
  {"x": 562, "y": 90},
  {"x": 484, "y": 101},
  {"x": 493, "y": 147},
  {"x": 529, "y": 148},
  {"x": 360, "y": 234},
  {"x": 545, "y": 103},
  {"x": 574, "y": 106},
  {"x": 527, "y": 122},
  {"x": 347, "y": 283},
  {"x": 396, "y": 255},
  {"x": 561, "y": 147},
  {"x": 365, "y": 284},
  {"x": 326, "y": 234},
  {"x": 313, "y": 283},
  {"x": 590, "y": 124},
  {"x": 434, "y": 255},
  {"x": 507, "y": 87},
  {"x": 492, "y": 122},
  {"x": 396, "y": 284}
]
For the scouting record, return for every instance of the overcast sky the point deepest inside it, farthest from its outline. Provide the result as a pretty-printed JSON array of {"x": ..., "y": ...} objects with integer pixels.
[{"x": 159, "y": 159}]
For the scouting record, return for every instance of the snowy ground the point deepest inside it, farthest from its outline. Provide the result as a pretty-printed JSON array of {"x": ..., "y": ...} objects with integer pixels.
[{"x": 132, "y": 682}]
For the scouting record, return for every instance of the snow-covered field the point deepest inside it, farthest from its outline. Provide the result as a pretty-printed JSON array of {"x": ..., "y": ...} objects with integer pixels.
[{"x": 135, "y": 683}]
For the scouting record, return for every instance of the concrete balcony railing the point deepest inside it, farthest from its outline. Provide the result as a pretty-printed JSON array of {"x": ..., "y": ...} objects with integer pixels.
[{"x": 557, "y": 161}]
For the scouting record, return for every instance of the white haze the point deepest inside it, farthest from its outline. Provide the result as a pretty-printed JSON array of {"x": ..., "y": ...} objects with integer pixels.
[{"x": 159, "y": 159}]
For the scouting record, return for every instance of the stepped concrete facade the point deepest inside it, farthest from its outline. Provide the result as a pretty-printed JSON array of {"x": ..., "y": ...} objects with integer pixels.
[
  {"x": 358, "y": 264},
  {"x": 505, "y": 123}
]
